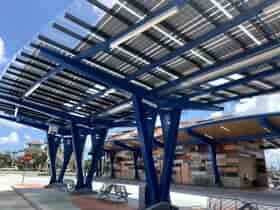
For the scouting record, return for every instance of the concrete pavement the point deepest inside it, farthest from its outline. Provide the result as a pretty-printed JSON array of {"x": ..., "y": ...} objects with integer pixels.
[{"x": 9, "y": 200}]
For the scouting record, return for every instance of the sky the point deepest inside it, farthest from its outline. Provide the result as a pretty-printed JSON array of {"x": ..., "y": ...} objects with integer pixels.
[{"x": 21, "y": 21}]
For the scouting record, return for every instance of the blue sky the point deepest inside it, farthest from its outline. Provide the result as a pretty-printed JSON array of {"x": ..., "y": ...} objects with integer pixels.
[{"x": 20, "y": 21}]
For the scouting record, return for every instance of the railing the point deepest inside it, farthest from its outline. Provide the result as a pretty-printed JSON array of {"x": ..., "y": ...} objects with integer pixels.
[{"x": 236, "y": 204}]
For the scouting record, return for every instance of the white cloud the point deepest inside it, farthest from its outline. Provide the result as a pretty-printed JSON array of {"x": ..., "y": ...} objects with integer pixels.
[
  {"x": 216, "y": 114},
  {"x": 109, "y": 3},
  {"x": 10, "y": 124},
  {"x": 12, "y": 138},
  {"x": 257, "y": 105},
  {"x": 27, "y": 137},
  {"x": 3, "y": 58},
  {"x": 99, "y": 13},
  {"x": 88, "y": 143}
]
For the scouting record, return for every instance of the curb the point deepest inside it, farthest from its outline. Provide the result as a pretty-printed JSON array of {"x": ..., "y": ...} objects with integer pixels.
[{"x": 34, "y": 205}]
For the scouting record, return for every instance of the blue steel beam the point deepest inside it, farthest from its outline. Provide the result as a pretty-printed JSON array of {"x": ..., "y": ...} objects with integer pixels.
[
  {"x": 51, "y": 73},
  {"x": 102, "y": 77},
  {"x": 53, "y": 144},
  {"x": 233, "y": 119},
  {"x": 125, "y": 146},
  {"x": 78, "y": 142},
  {"x": 244, "y": 16},
  {"x": 60, "y": 114},
  {"x": 145, "y": 127},
  {"x": 92, "y": 73},
  {"x": 170, "y": 120},
  {"x": 211, "y": 149},
  {"x": 156, "y": 143},
  {"x": 213, "y": 157},
  {"x": 111, "y": 124},
  {"x": 27, "y": 121},
  {"x": 106, "y": 46},
  {"x": 112, "y": 155},
  {"x": 245, "y": 80},
  {"x": 264, "y": 122},
  {"x": 242, "y": 96},
  {"x": 248, "y": 138},
  {"x": 67, "y": 153},
  {"x": 177, "y": 84},
  {"x": 98, "y": 137},
  {"x": 41, "y": 109},
  {"x": 197, "y": 136},
  {"x": 135, "y": 163}
]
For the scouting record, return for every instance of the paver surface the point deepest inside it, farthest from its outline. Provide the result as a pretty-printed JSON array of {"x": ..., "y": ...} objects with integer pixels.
[
  {"x": 182, "y": 196},
  {"x": 9, "y": 200},
  {"x": 260, "y": 196},
  {"x": 90, "y": 203}
]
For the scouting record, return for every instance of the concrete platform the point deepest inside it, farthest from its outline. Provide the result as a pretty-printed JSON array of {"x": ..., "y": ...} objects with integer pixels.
[
  {"x": 260, "y": 196},
  {"x": 9, "y": 200},
  {"x": 52, "y": 199},
  {"x": 46, "y": 199}
]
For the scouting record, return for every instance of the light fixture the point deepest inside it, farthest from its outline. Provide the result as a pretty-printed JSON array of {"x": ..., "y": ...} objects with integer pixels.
[
  {"x": 154, "y": 21},
  {"x": 267, "y": 130},
  {"x": 208, "y": 136},
  {"x": 77, "y": 114},
  {"x": 176, "y": 40},
  {"x": 236, "y": 76},
  {"x": 218, "y": 82},
  {"x": 230, "y": 16},
  {"x": 100, "y": 87},
  {"x": 92, "y": 91},
  {"x": 224, "y": 128},
  {"x": 107, "y": 93},
  {"x": 31, "y": 90},
  {"x": 68, "y": 104},
  {"x": 16, "y": 112}
]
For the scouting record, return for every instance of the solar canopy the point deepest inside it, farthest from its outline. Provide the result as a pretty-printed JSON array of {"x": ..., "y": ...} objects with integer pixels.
[
  {"x": 262, "y": 128},
  {"x": 174, "y": 54}
]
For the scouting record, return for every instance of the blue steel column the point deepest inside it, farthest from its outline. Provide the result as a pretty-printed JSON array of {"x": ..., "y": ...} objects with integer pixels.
[
  {"x": 145, "y": 126},
  {"x": 135, "y": 160},
  {"x": 213, "y": 155},
  {"x": 170, "y": 120},
  {"x": 78, "y": 142},
  {"x": 98, "y": 138},
  {"x": 112, "y": 155},
  {"x": 67, "y": 153},
  {"x": 53, "y": 143}
]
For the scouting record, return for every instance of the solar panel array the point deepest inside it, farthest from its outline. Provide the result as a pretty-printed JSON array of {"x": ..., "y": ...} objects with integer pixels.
[{"x": 239, "y": 62}]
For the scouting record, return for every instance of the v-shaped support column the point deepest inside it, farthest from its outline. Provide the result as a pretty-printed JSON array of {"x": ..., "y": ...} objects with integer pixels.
[
  {"x": 146, "y": 124},
  {"x": 135, "y": 161},
  {"x": 170, "y": 123},
  {"x": 67, "y": 153},
  {"x": 212, "y": 153},
  {"x": 53, "y": 144},
  {"x": 213, "y": 157},
  {"x": 78, "y": 142},
  {"x": 112, "y": 156},
  {"x": 98, "y": 137}
]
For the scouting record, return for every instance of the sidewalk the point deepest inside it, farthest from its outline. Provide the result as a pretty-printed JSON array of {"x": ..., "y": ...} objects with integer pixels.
[{"x": 9, "y": 200}]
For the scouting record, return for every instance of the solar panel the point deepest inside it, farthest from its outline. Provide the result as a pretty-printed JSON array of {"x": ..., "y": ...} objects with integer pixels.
[{"x": 208, "y": 52}]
